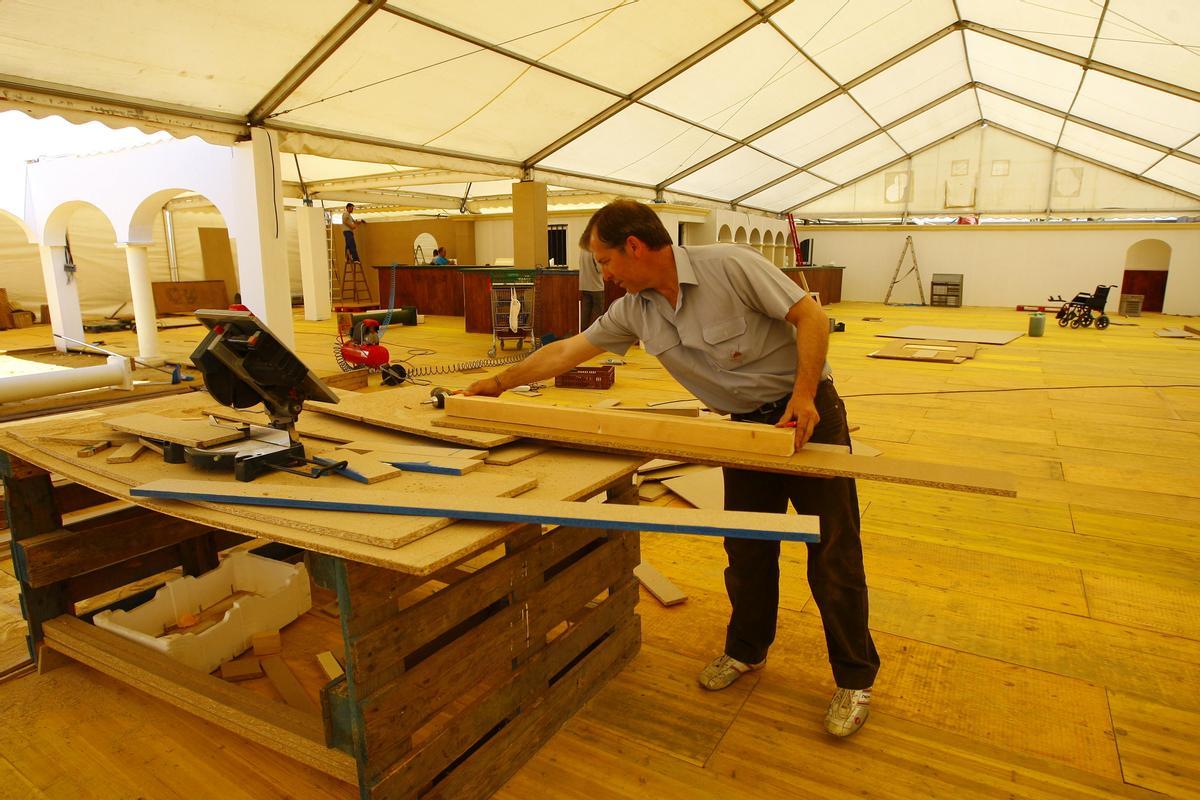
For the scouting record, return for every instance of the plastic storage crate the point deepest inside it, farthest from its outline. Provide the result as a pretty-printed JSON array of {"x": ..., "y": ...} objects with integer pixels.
[{"x": 587, "y": 378}]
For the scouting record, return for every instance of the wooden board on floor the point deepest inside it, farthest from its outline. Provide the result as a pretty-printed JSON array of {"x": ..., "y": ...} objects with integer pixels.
[
  {"x": 927, "y": 350},
  {"x": 954, "y": 334},
  {"x": 187, "y": 432},
  {"x": 807, "y": 461},
  {"x": 617, "y": 424},
  {"x": 741, "y": 524},
  {"x": 658, "y": 585}
]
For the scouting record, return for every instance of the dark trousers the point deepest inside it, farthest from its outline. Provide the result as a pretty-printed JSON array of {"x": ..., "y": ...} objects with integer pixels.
[
  {"x": 591, "y": 306},
  {"x": 835, "y": 564},
  {"x": 351, "y": 247}
]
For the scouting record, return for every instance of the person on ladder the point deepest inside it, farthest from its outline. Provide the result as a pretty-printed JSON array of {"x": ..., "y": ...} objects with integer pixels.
[{"x": 349, "y": 225}]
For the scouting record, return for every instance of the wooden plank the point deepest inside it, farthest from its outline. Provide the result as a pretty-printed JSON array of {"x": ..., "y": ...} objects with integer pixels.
[
  {"x": 806, "y": 461},
  {"x": 367, "y": 445},
  {"x": 55, "y": 556},
  {"x": 402, "y": 410},
  {"x": 359, "y": 467},
  {"x": 954, "y": 334},
  {"x": 288, "y": 685},
  {"x": 515, "y": 453},
  {"x": 187, "y": 432},
  {"x": 615, "y": 424},
  {"x": 658, "y": 584},
  {"x": 434, "y": 465},
  {"x": 243, "y": 669},
  {"x": 651, "y": 490},
  {"x": 256, "y": 718},
  {"x": 743, "y": 524},
  {"x": 701, "y": 489},
  {"x": 126, "y": 453}
]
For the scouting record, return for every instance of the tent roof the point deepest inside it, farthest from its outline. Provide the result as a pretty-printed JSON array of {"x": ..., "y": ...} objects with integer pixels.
[{"x": 763, "y": 105}]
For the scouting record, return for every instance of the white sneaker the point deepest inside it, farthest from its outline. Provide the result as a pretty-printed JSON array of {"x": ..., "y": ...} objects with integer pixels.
[
  {"x": 724, "y": 670},
  {"x": 848, "y": 711}
]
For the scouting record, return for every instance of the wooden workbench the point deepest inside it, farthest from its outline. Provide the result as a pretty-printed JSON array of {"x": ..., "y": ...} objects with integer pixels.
[{"x": 465, "y": 648}]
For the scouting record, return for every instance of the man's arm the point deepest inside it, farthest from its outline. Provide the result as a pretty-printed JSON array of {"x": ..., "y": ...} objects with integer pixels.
[
  {"x": 553, "y": 359},
  {"x": 812, "y": 345}
]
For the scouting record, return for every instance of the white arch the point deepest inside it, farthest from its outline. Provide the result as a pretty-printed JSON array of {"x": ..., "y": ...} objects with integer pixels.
[
  {"x": 724, "y": 235},
  {"x": 54, "y": 231},
  {"x": 740, "y": 235},
  {"x": 20, "y": 223},
  {"x": 755, "y": 237}
]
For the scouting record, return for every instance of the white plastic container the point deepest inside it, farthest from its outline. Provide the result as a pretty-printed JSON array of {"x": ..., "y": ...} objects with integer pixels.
[{"x": 279, "y": 594}]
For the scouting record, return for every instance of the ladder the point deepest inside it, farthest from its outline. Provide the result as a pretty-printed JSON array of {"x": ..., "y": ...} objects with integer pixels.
[
  {"x": 897, "y": 277},
  {"x": 796, "y": 247},
  {"x": 353, "y": 287}
]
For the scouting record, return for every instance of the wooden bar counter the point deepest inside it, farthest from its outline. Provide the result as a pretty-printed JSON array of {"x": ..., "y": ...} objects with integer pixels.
[
  {"x": 464, "y": 648},
  {"x": 556, "y": 293},
  {"x": 825, "y": 280}
]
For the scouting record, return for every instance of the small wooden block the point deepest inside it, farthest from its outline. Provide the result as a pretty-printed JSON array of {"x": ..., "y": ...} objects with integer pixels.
[
  {"x": 287, "y": 684},
  {"x": 330, "y": 664},
  {"x": 657, "y": 584},
  {"x": 266, "y": 644},
  {"x": 92, "y": 449},
  {"x": 126, "y": 453},
  {"x": 241, "y": 670}
]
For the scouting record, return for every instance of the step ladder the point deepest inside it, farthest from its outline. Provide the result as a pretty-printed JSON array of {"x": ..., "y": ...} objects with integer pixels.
[
  {"x": 353, "y": 288},
  {"x": 897, "y": 277}
]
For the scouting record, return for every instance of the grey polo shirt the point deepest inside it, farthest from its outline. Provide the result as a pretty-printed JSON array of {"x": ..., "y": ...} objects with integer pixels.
[
  {"x": 590, "y": 277},
  {"x": 727, "y": 340}
]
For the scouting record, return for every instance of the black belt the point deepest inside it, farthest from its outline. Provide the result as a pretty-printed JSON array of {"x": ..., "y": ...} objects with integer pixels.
[{"x": 775, "y": 407}]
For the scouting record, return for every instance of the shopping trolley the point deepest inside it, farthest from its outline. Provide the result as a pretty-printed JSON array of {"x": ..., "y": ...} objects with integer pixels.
[{"x": 512, "y": 311}]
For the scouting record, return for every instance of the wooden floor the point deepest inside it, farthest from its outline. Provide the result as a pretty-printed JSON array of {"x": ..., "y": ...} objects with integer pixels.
[{"x": 1044, "y": 646}]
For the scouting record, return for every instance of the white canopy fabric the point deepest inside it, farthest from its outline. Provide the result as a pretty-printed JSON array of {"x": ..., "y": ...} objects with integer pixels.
[{"x": 768, "y": 106}]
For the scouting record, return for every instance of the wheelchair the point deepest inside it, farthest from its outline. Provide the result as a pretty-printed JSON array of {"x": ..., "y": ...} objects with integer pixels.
[{"x": 1085, "y": 309}]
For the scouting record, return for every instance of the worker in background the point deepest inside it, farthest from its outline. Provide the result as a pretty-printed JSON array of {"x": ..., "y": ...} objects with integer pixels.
[
  {"x": 349, "y": 226},
  {"x": 743, "y": 338},
  {"x": 439, "y": 256},
  {"x": 591, "y": 286}
]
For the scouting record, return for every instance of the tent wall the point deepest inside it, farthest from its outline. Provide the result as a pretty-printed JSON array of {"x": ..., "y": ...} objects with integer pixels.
[
  {"x": 1010, "y": 265},
  {"x": 1015, "y": 178}
]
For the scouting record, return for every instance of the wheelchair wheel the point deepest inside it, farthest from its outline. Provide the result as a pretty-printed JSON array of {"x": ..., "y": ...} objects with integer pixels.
[
  {"x": 1064, "y": 318},
  {"x": 1102, "y": 323},
  {"x": 1076, "y": 322},
  {"x": 1086, "y": 320}
]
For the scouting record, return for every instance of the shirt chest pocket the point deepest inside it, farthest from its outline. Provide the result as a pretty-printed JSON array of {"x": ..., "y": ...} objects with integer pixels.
[{"x": 724, "y": 342}]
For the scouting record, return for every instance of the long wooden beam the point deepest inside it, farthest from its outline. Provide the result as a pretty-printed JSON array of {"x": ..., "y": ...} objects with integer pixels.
[
  {"x": 740, "y": 524},
  {"x": 803, "y": 462}
]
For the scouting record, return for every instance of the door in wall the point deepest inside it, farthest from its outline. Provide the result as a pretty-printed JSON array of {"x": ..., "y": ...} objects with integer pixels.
[{"x": 1151, "y": 284}]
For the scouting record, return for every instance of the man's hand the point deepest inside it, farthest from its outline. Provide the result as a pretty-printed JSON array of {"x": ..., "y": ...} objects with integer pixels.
[
  {"x": 488, "y": 387},
  {"x": 802, "y": 414}
]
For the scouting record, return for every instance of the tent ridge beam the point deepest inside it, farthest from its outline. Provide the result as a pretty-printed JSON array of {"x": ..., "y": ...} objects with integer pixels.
[
  {"x": 1082, "y": 61},
  {"x": 313, "y": 59},
  {"x": 1096, "y": 126},
  {"x": 889, "y": 165},
  {"x": 865, "y": 137},
  {"x": 757, "y": 18}
]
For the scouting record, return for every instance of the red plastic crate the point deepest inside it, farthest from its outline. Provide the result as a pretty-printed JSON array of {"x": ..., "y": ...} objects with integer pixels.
[{"x": 587, "y": 378}]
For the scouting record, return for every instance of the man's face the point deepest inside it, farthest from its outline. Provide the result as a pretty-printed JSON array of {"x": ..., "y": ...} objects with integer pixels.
[
  {"x": 350, "y": 207},
  {"x": 624, "y": 266}
]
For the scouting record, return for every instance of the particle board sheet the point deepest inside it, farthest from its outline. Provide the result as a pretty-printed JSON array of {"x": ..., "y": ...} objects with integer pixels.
[
  {"x": 927, "y": 350},
  {"x": 402, "y": 410},
  {"x": 558, "y": 474},
  {"x": 658, "y": 584},
  {"x": 702, "y": 489},
  {"x": 807, "y": 461},
  {"x": 979, "y": 336},
  {"x": 1175, "y": 333},
  {"x": 514, "y": 453},
  {"x": 187, "y": 432},
  {"x": 742, "y": 524},
  {"x": 380, "y": 530},
  {"x": 717, "y": 434}
]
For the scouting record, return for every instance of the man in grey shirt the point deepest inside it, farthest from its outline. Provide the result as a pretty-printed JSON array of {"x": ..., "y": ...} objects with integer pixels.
[
  {"x": 744, "y": 339},
  {"x": 591, "y": 287}
]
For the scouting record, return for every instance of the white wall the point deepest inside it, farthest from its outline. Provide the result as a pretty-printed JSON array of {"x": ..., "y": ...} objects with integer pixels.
[{"x": 1007, "y": 266}]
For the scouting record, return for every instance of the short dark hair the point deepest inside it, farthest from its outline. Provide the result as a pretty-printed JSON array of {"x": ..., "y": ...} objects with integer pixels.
[
  {"x": 349, "y": 205},
  {"x": 620, "y": 219}
]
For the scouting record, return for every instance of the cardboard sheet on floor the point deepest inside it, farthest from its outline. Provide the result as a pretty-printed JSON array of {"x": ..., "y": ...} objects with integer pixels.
[
  {"x": 1175, "y": 333},
  {"x": 976, "y": 335}
]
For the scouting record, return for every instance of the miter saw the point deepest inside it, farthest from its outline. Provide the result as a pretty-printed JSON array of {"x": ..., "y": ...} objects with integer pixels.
[{"x": 244, "y": 364}]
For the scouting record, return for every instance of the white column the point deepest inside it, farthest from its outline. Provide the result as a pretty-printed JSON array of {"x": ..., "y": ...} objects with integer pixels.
[
  {"x": 144, "y": 312},
  {"x": 62, "y": 295},
  {"x": 314, "y": 262},
  {"x": 259, "y": 229}
]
